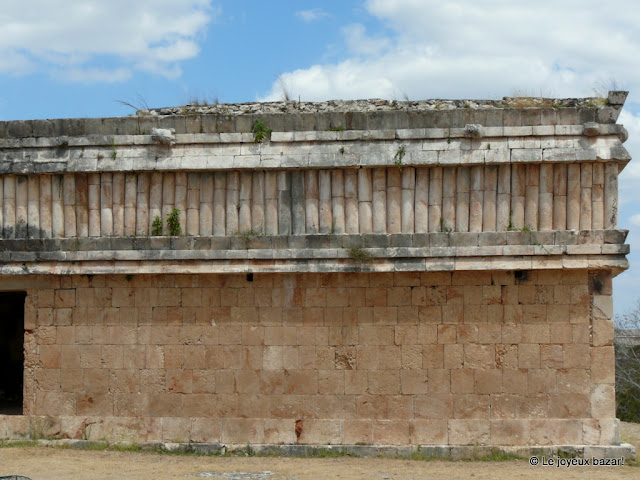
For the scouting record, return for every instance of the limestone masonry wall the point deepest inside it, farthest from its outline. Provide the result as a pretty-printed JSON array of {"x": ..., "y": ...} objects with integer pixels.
[
  {"x": 432, "y": 358},
  {"x": 370, "y": 272}
]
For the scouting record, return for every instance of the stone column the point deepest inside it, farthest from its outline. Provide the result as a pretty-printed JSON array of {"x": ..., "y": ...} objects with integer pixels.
[
  {"x": 545, "y": 214},
  {"x": 597, "y": 197},
  {"x": 181, "y": 199},
  {"x": 233, "y": 189},
  {"x": 22, "y": 199},
  {"x": 9, "y": 206},
  {"x": 394, "y": 200},
  {"x": 559, "y": 197},
  {"x": 422, "y": 200},
  {"x": 532, "y": 196},
  {"x": 257, "y": 202},
  {"x": 244, "y": 211},
  {"x": 351, "y": 201},
  {"x": 168, "y": 198},
  {"x": 219, "y": 203},
  {"x": 33, "y": 206},
  {"x": 284, "y": 203},
  {"x": 503, "y": 199},
  {"x": 573, "y": 196},
  {"x": 611, "y": 195},
  {"x": 271, "y": 203},
  {"x": 155, "y": 199},
  {"x": 297, "y": 203},
  {"x": 435, "y": 199},
  {"x": 206, "y": 204},
  {"x": 586, "y": 183},
  {"x": 518, "y": 192},
  {"x": 118, "y": 204},
  {"x": 365, "y": 198},
  {"x": 57, "y": 206},
  {"x": 130, "y": 194},
  {"x": 106, "y": 204},
  {"x": 337, "y": 201},
  {"x": 476, "y": 198},
  {"x": 408, "y": 199},
  {"x": 379, "y": 204},
  {"x": 193, "y": 204},
  {"x": 142, "y": 204},
  {"x": 311, "y": 201},
  {"x": 449, "y": 199},
  {"x": 490, "y": 196},
  {"x": 69, "y": 205},
  {"x": 462, "y": 199},
  {"x": 324, "y": 199},
  {"x": 45, "y": 206}
]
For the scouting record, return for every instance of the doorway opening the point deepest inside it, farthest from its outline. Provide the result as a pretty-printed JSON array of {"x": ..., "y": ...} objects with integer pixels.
[{"x": 11, "y": 352}]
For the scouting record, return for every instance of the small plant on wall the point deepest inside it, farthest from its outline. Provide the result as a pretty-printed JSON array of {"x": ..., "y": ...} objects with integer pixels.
[
  {"x": 397, "y": 158},
  {"x": 360, "y": 256},
  {"x": 156, "y": 226},
  {"x": 260, "y": 131},
  {"x": 173, "y": 222}
]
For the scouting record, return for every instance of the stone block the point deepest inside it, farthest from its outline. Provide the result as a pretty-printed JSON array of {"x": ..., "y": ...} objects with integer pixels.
[
  {"x": 391, "y": 432},
  {"x": 318, "y": 432},
  {"x": 176, "y": 430},
  {"x": 603, "y": 401},
  {"x": 279, "y": 431},
  {"x": 510, "y": 432},
  {"x": 357, "y": 432},
  {"x": 469, "y": 432},
  {"x": 243, "y": 430}
]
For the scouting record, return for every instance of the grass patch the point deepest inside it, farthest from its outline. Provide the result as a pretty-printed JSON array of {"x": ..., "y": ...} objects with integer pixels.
[
  {"x": 495, "y": 456},
  {"x": 18, "y": 443},
  {"x": 247, "y": 236},
  {"x": 326, "y": 453},
  {"x": 360, "y": 255}
]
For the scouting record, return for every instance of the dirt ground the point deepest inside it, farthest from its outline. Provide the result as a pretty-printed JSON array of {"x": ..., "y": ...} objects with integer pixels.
[{"x": 46, "y": 463}]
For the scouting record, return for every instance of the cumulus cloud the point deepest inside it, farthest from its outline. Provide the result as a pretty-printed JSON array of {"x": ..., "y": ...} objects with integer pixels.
[
  {"x": 466, "y": 48},
  {"x": 147, "y": 35},
  {"x": 312, "y": 15}
]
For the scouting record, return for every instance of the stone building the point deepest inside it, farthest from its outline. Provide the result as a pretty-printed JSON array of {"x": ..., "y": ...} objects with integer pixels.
[{"x": 345, "y": 273}]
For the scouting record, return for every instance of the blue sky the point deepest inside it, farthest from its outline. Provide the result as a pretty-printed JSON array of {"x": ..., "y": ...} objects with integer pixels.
[{"x": 77, "y": 58}]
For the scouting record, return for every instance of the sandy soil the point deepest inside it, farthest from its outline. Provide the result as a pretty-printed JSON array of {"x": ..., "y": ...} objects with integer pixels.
[{"x": 45, "y": 463}]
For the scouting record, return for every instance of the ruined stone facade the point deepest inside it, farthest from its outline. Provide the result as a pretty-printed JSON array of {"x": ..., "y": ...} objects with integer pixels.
[{"x": 427, "y": 273}]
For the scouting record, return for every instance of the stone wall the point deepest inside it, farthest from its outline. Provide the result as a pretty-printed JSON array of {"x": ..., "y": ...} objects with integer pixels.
[
  {"x": 464, "y": 358},
  {"x": 369, "y": 272}
]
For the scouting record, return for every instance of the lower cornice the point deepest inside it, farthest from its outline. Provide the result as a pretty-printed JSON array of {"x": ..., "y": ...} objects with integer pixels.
[{"x": 245, "y": 253}]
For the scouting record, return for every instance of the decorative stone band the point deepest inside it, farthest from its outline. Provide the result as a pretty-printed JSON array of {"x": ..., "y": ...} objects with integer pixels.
[
  {"x": 472, "y": 145},
  {"x": 482, "y": 198},
  {"x": 318, "y": 253}
]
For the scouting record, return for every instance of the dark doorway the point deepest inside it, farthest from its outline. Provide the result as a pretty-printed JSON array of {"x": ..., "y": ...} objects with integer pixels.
[{"x": 11, "y": 352}]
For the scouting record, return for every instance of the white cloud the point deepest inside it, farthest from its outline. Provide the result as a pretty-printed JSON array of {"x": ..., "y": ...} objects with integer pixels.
[
  {"x": 149, "y": 35},
  {"x": 359, "y": 43},
  {"x": 312, "y": 15},
  {"x": 467, "y": 48},
  {"x": 635, "y": 220}
]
